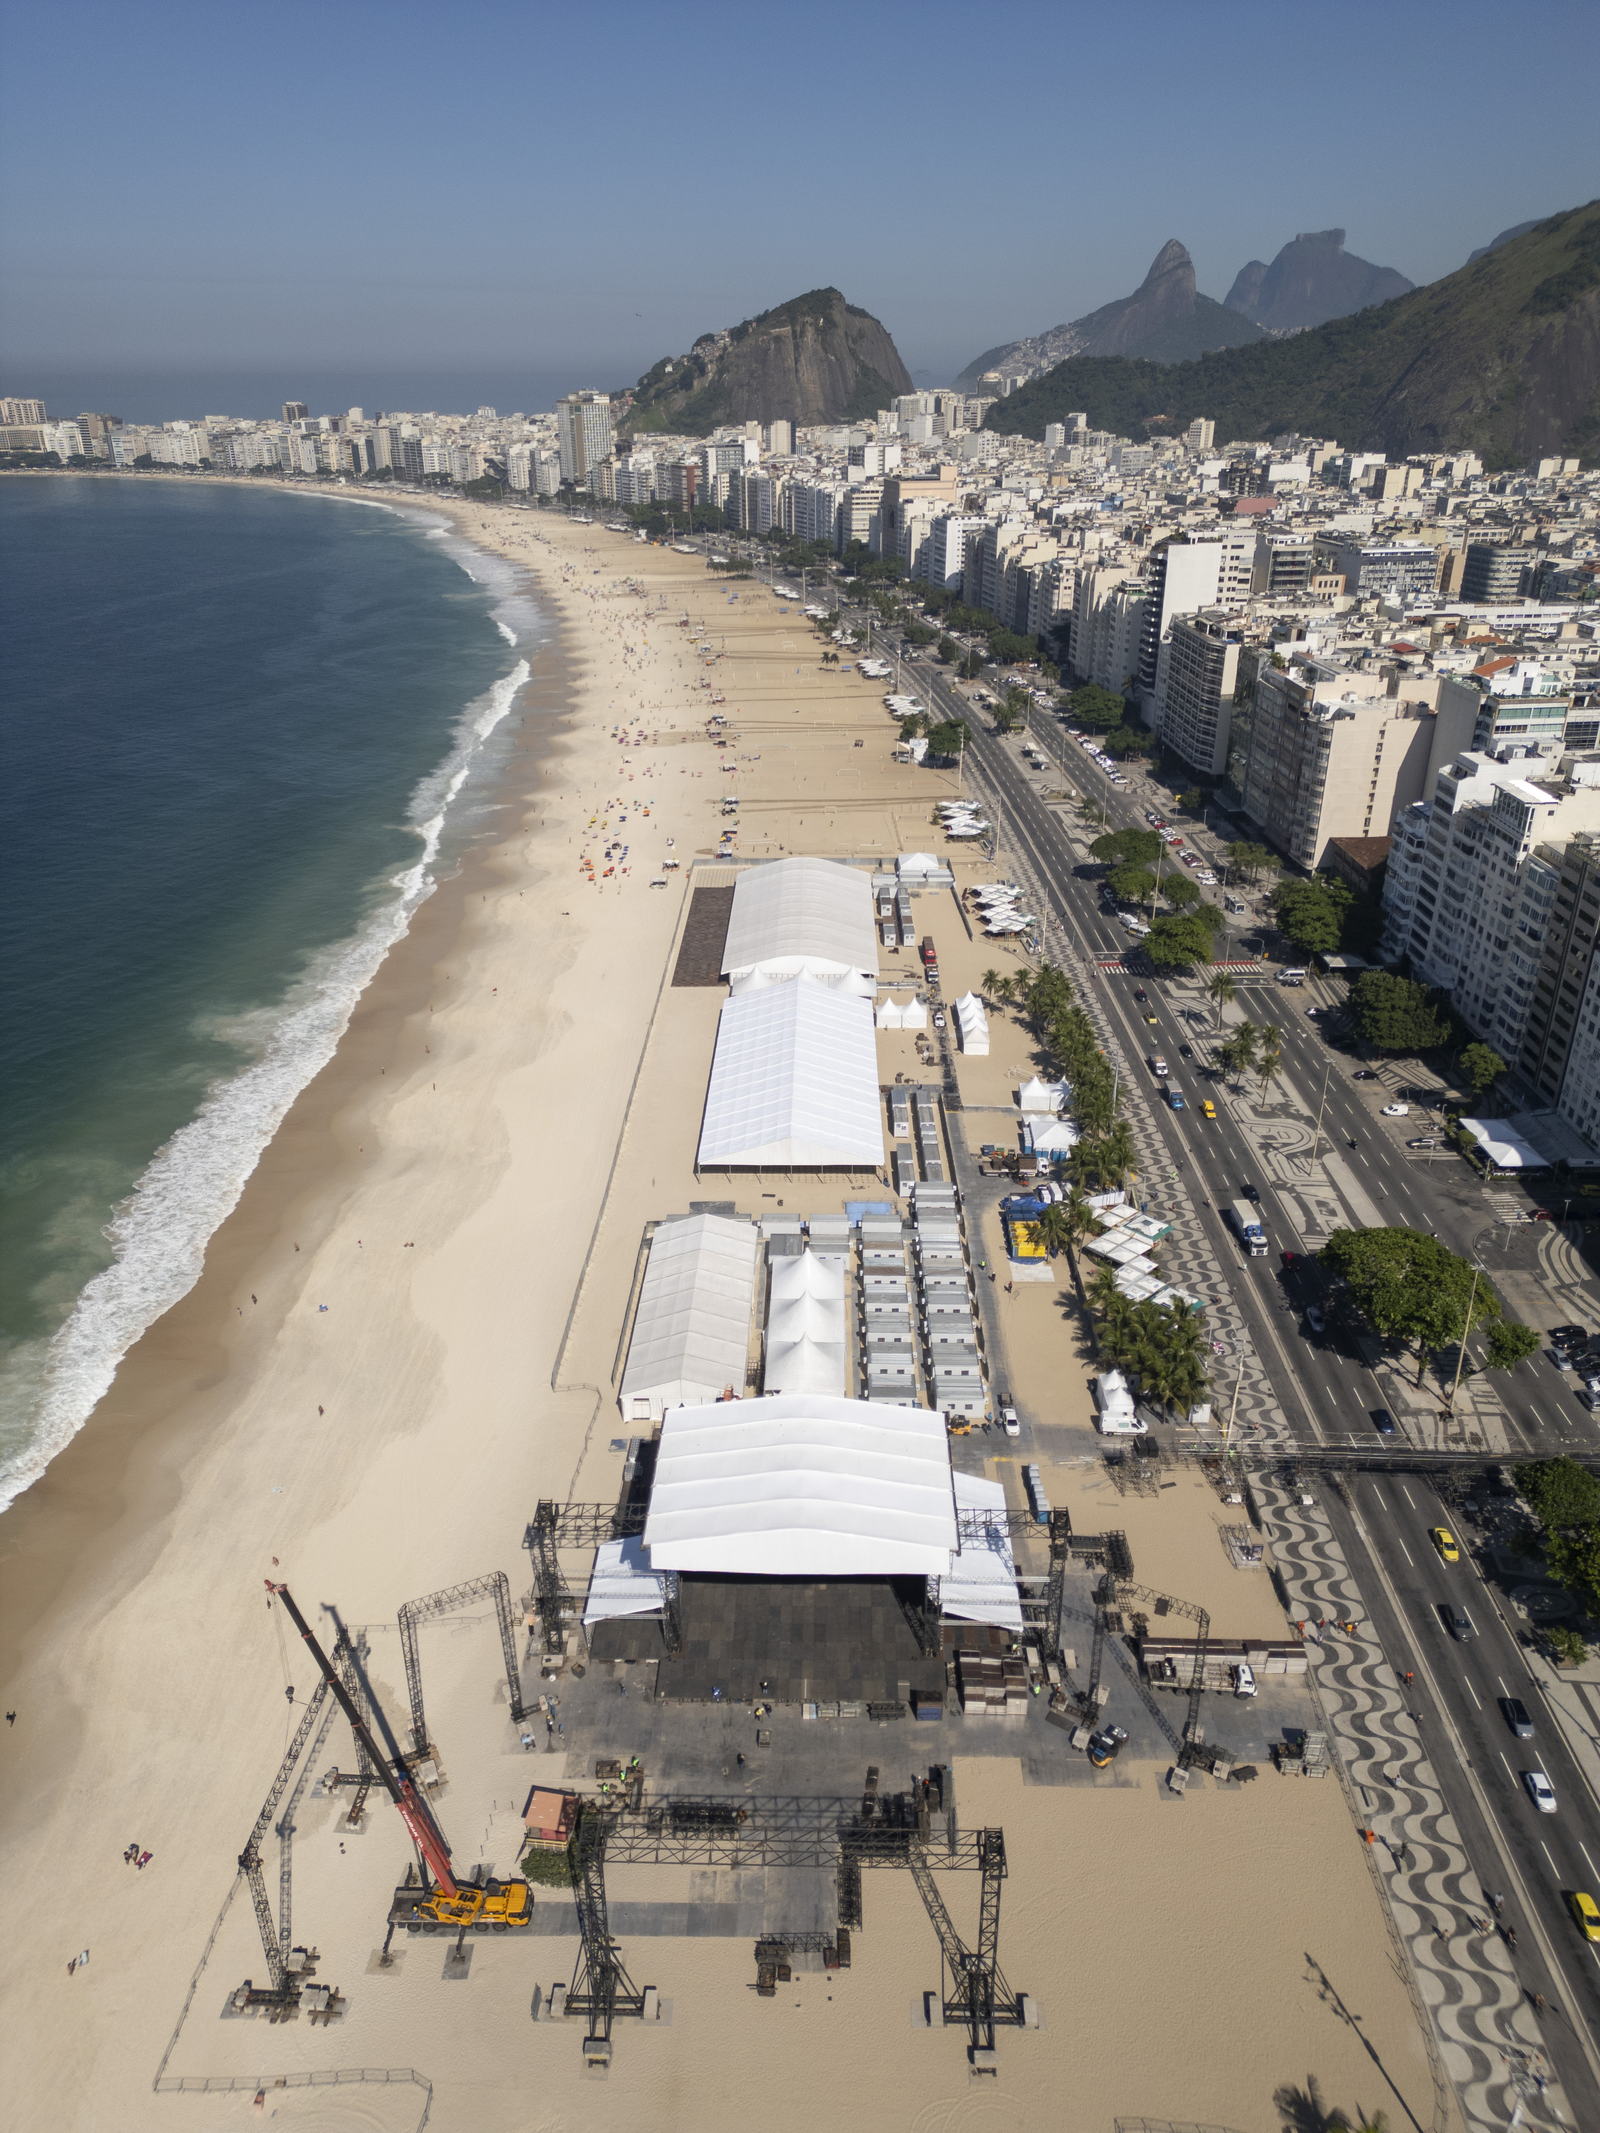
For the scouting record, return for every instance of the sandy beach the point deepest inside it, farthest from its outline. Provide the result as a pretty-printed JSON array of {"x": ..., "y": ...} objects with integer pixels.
[{"x": 406, "y": 1335}]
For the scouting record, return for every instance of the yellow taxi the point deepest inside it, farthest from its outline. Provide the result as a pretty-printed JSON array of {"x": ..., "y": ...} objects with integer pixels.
[
  {"x": 1445, "y": 1541},
  {"x": 1586, "y": 1911},
  {"x": 1207, "y": 1108}
]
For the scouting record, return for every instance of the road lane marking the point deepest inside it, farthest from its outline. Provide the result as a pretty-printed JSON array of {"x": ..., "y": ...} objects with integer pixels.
[
  {"x": 1406, "y": 1493},
  {"x": 1502, "y": 1681},
  {"x": 1592, "y": 1867},
  {"x": 1471, "y": 1691},
  {"x": 1508, "y": 1766},
  {"x": 1546, "y": 1850}
]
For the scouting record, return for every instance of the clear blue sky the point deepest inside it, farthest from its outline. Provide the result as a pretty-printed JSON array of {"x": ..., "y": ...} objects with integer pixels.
[{"x": 361, "y": 191}]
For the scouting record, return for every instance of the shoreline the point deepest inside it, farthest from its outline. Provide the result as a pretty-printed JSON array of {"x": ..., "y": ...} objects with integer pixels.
[{"x": 88, "y": 1335}]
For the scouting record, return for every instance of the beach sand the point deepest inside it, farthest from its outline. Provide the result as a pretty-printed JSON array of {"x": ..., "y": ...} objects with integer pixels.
[{"x": 393, "y": 1353}]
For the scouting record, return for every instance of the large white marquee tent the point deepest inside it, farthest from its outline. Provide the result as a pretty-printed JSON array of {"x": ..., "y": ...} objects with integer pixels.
[
  {"x": 807, "y": 1336},
  {"x": 794, "y": 1083},
  {"x": 801, "y": 1485},
  {"x": 691, "y": 1332},
  {"x": 802, "y": 917}
]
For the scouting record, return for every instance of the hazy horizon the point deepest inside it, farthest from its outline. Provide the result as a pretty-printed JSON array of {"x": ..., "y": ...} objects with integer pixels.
[{"x": 344, "y": 205}]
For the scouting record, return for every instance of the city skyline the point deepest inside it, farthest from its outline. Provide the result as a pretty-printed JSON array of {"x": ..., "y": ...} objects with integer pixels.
[{"x": 353, "y": 234}]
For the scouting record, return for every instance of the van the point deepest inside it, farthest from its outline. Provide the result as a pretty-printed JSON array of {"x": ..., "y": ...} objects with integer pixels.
[
  {"x": 1233, "y": 904},
  {"x": 1291, "y": 977}
]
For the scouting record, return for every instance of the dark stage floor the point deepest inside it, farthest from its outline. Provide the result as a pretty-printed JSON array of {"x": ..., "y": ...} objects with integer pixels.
[{"x": 840, "y": 1640}]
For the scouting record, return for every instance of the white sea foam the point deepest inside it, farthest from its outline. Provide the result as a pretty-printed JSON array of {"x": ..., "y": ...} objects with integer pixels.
[{"x": 160, "y": 1232}]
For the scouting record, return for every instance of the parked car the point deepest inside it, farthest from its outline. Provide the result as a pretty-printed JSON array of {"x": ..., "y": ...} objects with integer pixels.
[
  {"x": 1540, "y": 1791},
  {"x": 1397, "y": 1110},
  {"x": 1515, "y": 1713},
  {"x": 938, "y": 1018},
  {"x": 1364, "y": 1074},
  {"x": 1567, "y": 1336},
  {"x": 1427, "y": 1141}
]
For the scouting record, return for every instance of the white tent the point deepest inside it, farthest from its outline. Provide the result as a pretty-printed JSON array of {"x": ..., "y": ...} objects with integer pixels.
[
  {"x": 912, "y": 865},
  {"x": 973, "y": 1024},
  {"x": 891, "y": 1015},
  {"x": 807, "y": 1336},
  {"x": 794, "y": 1083},
  {"x": 623, "y": 1583},
  {"x": 802, "y": 918},
  {"x": 981, "y": 1583},
  {"x": 799, "y": 1485},
  {"x": 691, "y": 1332},
  {"x": 1055, "y": 1136},
  {"x": 1037, "y": 1095}
]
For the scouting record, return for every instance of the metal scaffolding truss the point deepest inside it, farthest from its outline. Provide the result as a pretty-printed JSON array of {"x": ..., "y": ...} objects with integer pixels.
[
  {"x": 497, "y": 1587},
  {"x": 1114, "y": 1592},
  {"x": 978, "y": 1996},
  {"x": 555, "y": 1526},
  {"x": 283, "y": 1992}
]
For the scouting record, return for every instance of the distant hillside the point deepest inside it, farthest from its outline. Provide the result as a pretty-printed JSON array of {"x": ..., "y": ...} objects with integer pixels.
[
  {"x": 1313, "y": 279},
  {"x": 1501, "y": 358},
  {"x": 1517, "y": 229},
  {"x": 1165, "y": 320},
  {"x": 814, "y": 359}
]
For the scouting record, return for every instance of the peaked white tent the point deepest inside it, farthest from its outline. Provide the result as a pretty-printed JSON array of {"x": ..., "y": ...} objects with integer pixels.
[
  {"x": 891, "y": 1015},
  {"x": 800, "y": 1485},
  {"x": 806, "y": 1331},
  {"x": 691, "y": 1332},
  {"x": 914, "y": 866},
  {"x": 623, "y": 1583},
  {"x": 802, "y": 918},
  {"x": 973, "y": 1024},
  {"x": 1038, "y": 1095},
  {"x": 794, "y": 1083}
]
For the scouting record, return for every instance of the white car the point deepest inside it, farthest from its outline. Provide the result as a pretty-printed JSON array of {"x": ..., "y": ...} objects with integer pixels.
[
  {"x": 1540, "y": 1791},
  {"x": 1205, "y": 874},
  {"x": 1397, "y": 1110}
]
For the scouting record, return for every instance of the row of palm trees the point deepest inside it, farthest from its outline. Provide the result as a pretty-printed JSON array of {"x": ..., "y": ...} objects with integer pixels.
[{"x": 1164, "y": 1346}]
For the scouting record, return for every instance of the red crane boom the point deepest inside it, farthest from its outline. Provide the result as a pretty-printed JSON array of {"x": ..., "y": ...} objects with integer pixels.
[{"x": 413, "y": 1813}]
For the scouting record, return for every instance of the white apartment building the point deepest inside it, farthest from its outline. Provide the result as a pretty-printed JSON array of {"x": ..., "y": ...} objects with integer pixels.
[
  {"x": 947, "y": 547},
  {"x": 1319, "y": 751},
  {"x": 1195, "y": 679},
  {"x": 1107, "y": 652},
  {"x": 583, "y": 424},
  {"x": 1182, "y": 578},
  {"x": 1467, "y": 895}
]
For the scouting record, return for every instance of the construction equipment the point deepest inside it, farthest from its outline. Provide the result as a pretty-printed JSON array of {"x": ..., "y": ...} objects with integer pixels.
[
  {"x": 1105, "y": 1746},
  {"x": 496, "y": 1586},
  {"x": 979, "y": 1996},
  {"x": 601, "y": 1987},
  {"x": 281, "y": 1996},
  {"x": 478, "y": 1907},
  {"x": 1113, "y": 1591}
]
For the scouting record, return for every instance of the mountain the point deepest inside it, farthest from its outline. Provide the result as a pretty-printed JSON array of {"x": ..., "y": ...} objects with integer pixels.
[
  {"x": 814, "y": 359},
  {"x": 1501, "y": 357},
  {"x": 1165, "y": 320},
  {"x": 1517, "y": 229},
  {"x": 1311, "y": 281}
]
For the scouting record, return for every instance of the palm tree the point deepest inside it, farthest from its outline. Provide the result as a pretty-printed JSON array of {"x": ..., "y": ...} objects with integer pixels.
[
  {"x": 1117, "y": 1152},
  {"x": 1078, "y": 1220},
  {"x": 997, "y": 987},
  {"x": 1104, "y": 1294},
  {"x": 1222, "y": 990},
  {"x": 1267, "y": 1067},
  {"x": 1240, "y": 1051},
  {"x": 1171, "y": 1348}
]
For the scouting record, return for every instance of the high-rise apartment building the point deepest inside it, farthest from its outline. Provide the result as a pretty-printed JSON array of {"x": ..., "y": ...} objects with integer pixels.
[
  {"x": 947, "y": 547},
  {"x": 1560, "y": 1051},
  {"x": 294, "y": 411},
  {"x": 1183, "y": 577},
  {"x": 1494, "y": 571},
  {"x": 1404, "y": 570},
  {"x": 1319, "y": 751},
  {"x": 1467, "y": 895},
  {"x": 583, "y": 425},
  {"x": 1196, "y": 676}
]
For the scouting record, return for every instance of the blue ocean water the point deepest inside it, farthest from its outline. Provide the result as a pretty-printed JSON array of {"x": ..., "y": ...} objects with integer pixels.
[{"x": 238, "y": 727}]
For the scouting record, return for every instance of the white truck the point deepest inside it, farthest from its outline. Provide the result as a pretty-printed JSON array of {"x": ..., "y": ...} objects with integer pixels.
[{"x": 1246, "y": 1219}]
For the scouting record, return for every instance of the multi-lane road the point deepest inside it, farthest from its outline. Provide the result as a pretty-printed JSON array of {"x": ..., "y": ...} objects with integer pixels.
[{"x": 1327, "y": 1392}]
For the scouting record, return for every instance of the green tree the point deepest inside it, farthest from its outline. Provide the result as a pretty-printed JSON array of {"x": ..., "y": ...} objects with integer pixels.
[
  {"x": 1559, "y": 1492},
  {"x": 1483, "y": 1066},
  {"x": 1133, "y": 883},
  {"x": 1170, "y": 1356},
  {"x": 1097, "y": 710},
  {"x": 1510, "y": 1344},
  {"x": 1124, "y": 741},
  {"x": 996, "y": 988},
  {"x": 949, "y": 738},
  {"x": 1252, "y": 860},
  {"x": 1174, "y": 942},
  {"x": 1311, "y": 913},
  {"x": 911, "y": 727},
  {"x": 1193, "y": 802},
  {"x": 1267, "y": 1065},
  {"x": 1222, "y": 990},
  {"x": 1397, "y": 1014},
  {"x": 948, "y": 650},
  {"x": 1410, "y": 1287},
  {"x": 1126, "y": 847},
  {"x": 1179, "y": 890},
  {"x": 1046, "y": 995}
]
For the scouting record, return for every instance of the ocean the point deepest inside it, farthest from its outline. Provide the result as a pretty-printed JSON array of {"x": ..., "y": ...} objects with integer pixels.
[{"x": 243, "y": 731}]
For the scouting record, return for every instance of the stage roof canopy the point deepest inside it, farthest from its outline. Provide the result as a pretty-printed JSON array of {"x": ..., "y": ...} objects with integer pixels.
[{"x": 802, "y": 1485}]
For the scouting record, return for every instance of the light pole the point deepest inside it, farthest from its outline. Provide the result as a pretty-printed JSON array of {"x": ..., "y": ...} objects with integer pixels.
[
  {"x": 1461, "y": 1356},
  {"x": 1316, "y": 1142}
]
